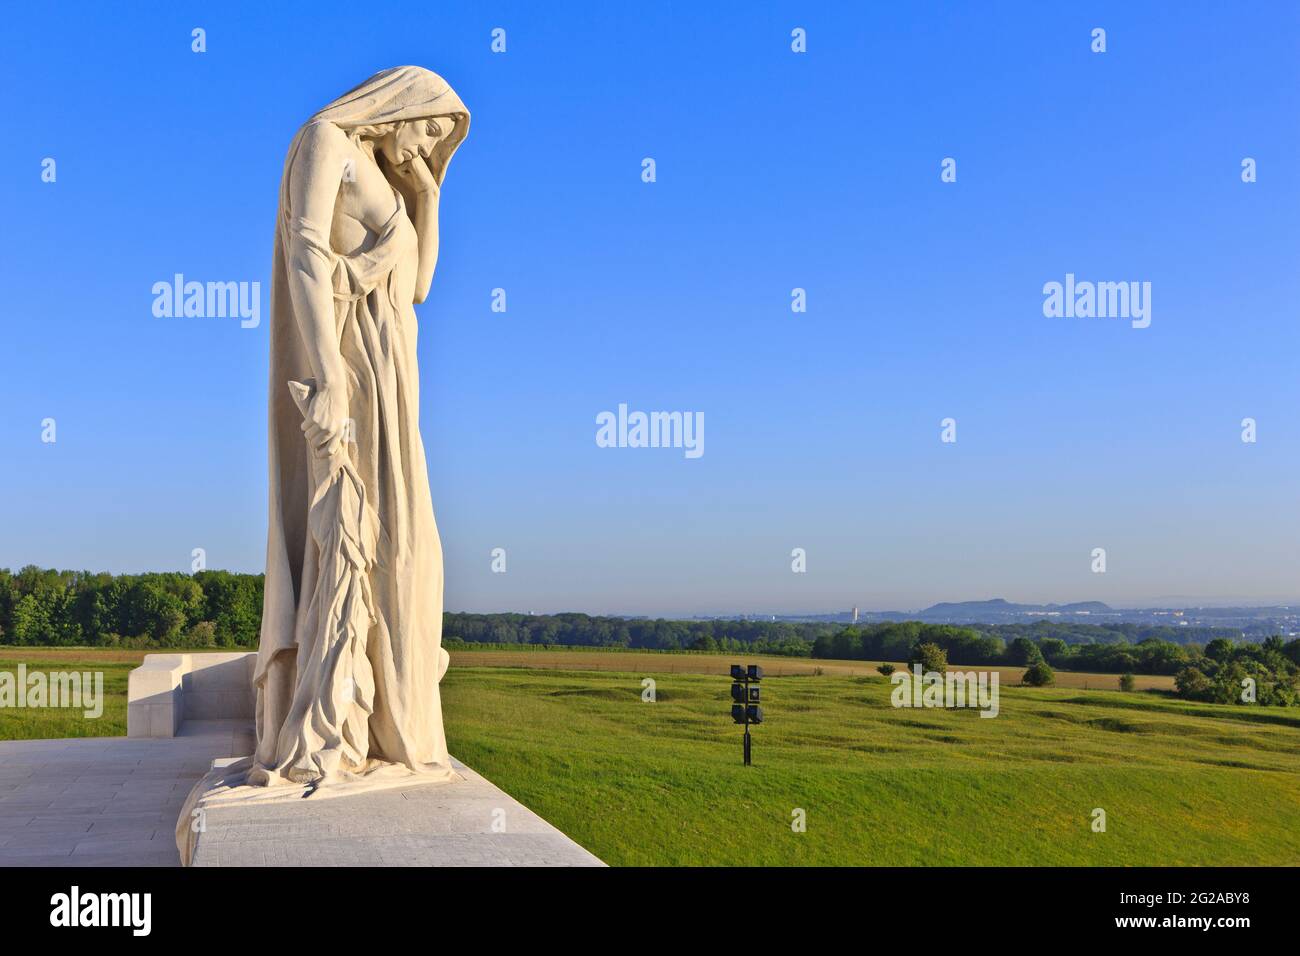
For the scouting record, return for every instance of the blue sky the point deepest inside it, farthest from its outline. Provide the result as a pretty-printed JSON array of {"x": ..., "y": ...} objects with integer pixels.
[{"x": 775, "y": 170}]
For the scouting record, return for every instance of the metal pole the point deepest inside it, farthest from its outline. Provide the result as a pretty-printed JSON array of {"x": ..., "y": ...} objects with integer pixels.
[{"x": 746, "y": 719}]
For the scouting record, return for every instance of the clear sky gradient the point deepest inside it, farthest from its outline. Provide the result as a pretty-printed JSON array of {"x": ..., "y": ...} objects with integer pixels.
[{"x": 775, "y": 170}]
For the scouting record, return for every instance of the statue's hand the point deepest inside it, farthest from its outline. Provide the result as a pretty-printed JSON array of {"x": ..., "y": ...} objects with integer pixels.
[
  {"x": 418, "y": 175},
  {"x": 326, "y": 420}
]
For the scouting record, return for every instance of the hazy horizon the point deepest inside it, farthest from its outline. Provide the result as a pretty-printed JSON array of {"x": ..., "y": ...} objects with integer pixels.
[{"x": 1157, "y": 604}]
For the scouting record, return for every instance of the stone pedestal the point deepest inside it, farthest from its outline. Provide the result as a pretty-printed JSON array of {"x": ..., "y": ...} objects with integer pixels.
[
  {"x": 386, "y": 820},
  {"x": 462, "y": 822}
]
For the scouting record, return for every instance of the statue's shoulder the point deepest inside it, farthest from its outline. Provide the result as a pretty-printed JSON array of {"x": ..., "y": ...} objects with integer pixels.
[
  {"x": 322, "y": 136},
  {"x": 320, "y": 145}
]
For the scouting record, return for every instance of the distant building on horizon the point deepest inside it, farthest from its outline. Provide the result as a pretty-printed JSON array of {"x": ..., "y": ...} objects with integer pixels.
[{"x": 855, "y": 615}]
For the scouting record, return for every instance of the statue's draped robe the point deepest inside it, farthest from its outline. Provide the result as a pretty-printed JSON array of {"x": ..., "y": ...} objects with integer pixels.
[{"x": 350, "y": 654}]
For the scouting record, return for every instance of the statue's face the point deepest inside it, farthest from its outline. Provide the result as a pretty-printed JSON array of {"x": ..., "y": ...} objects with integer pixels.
[{"x": 416, "y": 138}]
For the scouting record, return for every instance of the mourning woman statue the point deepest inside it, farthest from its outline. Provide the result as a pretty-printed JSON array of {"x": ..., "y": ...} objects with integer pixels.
[{"x": 351, "y": 646}]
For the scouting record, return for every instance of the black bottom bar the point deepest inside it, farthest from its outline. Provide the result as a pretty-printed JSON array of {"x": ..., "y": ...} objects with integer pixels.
[{"x": 190, "y": 905}]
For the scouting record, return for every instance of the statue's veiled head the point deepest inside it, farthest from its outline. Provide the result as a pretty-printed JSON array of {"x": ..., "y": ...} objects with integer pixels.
[{"x": 402, "y": 113}]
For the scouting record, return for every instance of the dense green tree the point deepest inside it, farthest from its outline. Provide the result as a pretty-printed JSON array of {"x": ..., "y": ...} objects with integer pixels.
[
  {"x": 1159, "y": 657},
  {"x": 1054, "y": 650},
  {"x": 31, "y": 622},
  {"x": 1022, "y": 652},
  {"x": 931, "y": 657},
  {"x": 1219, "y": 650},
  {"x": 1039, "y": 674},
  {"x": 1192, "y": 683}
]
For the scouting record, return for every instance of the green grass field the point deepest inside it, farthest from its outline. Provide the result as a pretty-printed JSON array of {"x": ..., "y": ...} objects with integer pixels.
[
  {"x": 662, "y": 783},
  {"x": 44, "y": 723}
]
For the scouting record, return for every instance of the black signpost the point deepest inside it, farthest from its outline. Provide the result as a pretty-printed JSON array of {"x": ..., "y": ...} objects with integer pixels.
[{"x": 745, "y": 698}]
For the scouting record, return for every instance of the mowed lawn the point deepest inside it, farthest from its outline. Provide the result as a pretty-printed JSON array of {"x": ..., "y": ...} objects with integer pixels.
[
  {"x": 662, "y": 783},
  {"x": 642, "y": 783},
  {"x": 31, "y": 723}
]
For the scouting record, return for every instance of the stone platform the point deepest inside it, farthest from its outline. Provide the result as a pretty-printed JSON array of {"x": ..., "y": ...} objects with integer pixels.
[
  {"x": 465, "y": 822},
  {"x": 115, "y": 801},
  {"x": 105, "y": 801}
]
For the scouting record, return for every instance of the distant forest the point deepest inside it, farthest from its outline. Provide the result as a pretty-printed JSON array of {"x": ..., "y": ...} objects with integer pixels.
[
  {"x": 221, "y": 609},
  {"x": 1105, "y": 649}
]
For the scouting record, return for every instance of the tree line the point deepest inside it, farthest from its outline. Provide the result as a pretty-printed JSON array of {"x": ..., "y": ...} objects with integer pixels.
[
  {"x": 43, "y": 607},
  {"x": 167, "y": 609},
  {"x": 585, "y": 630},
  {"x": 1115, "y": 632},
  {"x": 896, "y": 641},
  {"x": 1229, "y": 673},
  {"x": 1222, "y": 671},
  {"x": 970, "y": 645}
]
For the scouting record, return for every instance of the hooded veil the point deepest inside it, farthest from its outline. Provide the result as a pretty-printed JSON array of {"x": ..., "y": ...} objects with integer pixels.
[{"x": 350, "y": 653}]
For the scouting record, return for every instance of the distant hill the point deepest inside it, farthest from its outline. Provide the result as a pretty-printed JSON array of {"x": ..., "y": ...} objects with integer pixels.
[{"x": 999, "y": 608}]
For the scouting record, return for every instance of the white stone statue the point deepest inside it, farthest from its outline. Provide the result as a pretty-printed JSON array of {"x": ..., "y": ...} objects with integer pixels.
[{"x": 351, "y": 646}]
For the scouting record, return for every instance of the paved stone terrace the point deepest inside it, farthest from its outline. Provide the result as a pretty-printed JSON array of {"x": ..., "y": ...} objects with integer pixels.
[
  {"x": 105, "y": 801},
  {"x": 114, "y": 801},
  {"x": 469, "y": 822}
]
